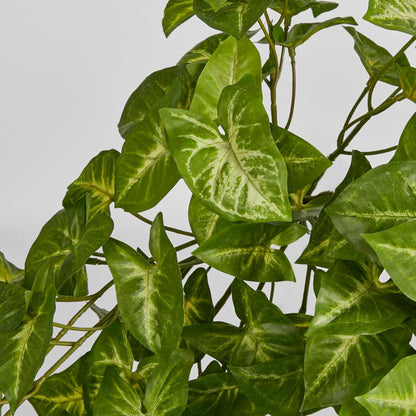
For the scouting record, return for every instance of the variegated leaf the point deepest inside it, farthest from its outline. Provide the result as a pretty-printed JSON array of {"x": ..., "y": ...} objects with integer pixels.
[
  {"x": 242, "y": 175},
  {"x": 9, "y": 273},
  {"x": 151, "y": 291},
  {"x": 230, "y": 62},
  {"x": 352, "y": 301},
  {"x": 393, "y": 14},
  {"x": 13, "y": 300},
  {"x": 395, "y": 395},
  {"x": 294, "y": 7},
  {"x": 334, "y": 364},
  {"x": 176, "y": 12},
  {"x": 406, "y": 150},
  {"x": 407, "y": 78}
]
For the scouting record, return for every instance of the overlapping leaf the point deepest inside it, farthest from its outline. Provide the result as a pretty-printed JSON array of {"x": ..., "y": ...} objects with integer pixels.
[
  {"x": 294, "y": 7},
  {"x": 352, "y": 301},
  {"x": 234, "y": 17},
  {"x": 9, "y": 273},
  {"x": 267, "y": 334},
  {"x": 176, "y": 12},
  {"x": 407, "y": 78},
  {"x": 406, "y": 150},
  {"x": 245, "y": 251},
  {"x": 395, "y": 394},
  {"x": 241, "y": 175},
  {"x": 393, "y": 14},
  {"x": 152, "y": 292},
  {"x": 13, "y": 299},
  {"x": 65, "y": 243},
  {"x": 334, "y": 364},
  {"x": 23, "y": 350},
  {"x": 62, "y": 392},
  {"x": 230, "y": 62}
]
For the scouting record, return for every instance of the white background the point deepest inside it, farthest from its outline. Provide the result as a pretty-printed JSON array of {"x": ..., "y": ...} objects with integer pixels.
[{"x": 67, "y": 69}]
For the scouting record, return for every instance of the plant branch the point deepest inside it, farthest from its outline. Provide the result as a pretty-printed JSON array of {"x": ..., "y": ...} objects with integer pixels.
[
  {"x": 304, "y": 304},
  {"x": 293, "y": 101},
  {"x": 223, "y": 300},
  {"x": 373, "y": 152},
  {"x": 167, "y": 228}
]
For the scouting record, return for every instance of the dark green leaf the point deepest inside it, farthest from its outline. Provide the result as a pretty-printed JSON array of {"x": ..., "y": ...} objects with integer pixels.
[
  {"x": 301, "y": 32},
  {"x": 176, "y": 12},
  {"x": 395, "y": 394},
  {"x": 245, "y": 251},
  {"x": 62, "y": 392},
  {"x": 66, "y": 242},
  {"x": 334, "y": 364},
  {"x": 216, "y": 4},
  {"x": 116, "y": 397},
  {"x": 352, "y": 301},
  {"x": 375, "y": 58},
  {"x": 235, "y": 17},
  {"x": 408, "y": 81},
  {"x": 23, "y": 350},
  {"x": 9, "y": 273},
  {"x": 393, "y": 14},
  {"x": 304, "y": 162},
  {"x": 110, "y": 349},
  {"x": 295, "y": 7},
  {"x": 152, "y": 292},
  {"x": 406, "y": 149},
  {"x": 97, "y": 180},
  {"x": 13, "y": 300},
  {"x": 167, "y": 387},
  {"x": 241, "y": 175},
  {"x": 230, "y": 62},
  {"x": 275, "y": 387}
]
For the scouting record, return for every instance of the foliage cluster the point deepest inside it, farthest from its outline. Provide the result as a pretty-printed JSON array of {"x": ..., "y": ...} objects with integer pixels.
[{"x": 253, "y": 183}]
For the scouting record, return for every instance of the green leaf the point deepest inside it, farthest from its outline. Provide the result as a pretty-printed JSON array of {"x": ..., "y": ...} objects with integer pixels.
[
  {"x": 240, "y": 176},
  {"x": 116, "y": 397},
  {"x": 110, "y": 349},
  {"x": 301, "y": 32},
  {"x": 395, "y": 394},
  {"x": 62, "y": 392},
  {"x": 408, "y": 82},
  {"x": 97, "y": 180},
  {"x": 352, "y": 301},
  {"x": 23, "y": 350},
  {"x": 230, "y": 62},
  {"x": 150, "y": 91},
  {"x": 273, "y": 385},
  {"x": 316, "y": 253},
  {"x": 334, "y": 364},
  {"x": 176, "y": 12},
  {"x": 267, "y": 334},
  {"x": 235, "y": 17},
  {"x": 13, "y": 301},
  {"x": 145, "y": 171},
  {"x": 393, "y": 14},
  {"x": 216, "y": 4},
  {"x": 340, "y": 248},
  {"x": 151, "y": 291},
  {"x": 382, "y": 198},
  {"x": 245, "y": 251},
  {"x": 66, "y": 242},
  {"x": 218, "y": 394},
  {"x": 304, "y": 162},
  {"x": 198, "y": 302},
  {"x": 295, "y": 7},
  {"x": 396, "y": 250},
  {"x": 406, "y": 149},
  {"x": 204, "y": 222},
  {"x": 9, "y": 273},
  {"x": 167, "y": 387},
  {"x": 375, "y": 58}
]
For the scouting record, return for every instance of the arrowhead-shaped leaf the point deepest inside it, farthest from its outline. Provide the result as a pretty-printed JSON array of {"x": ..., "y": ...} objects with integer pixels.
[
  {"x": 65, "y": 243},
  {"x": 395, "y": 394},
  {"x": 230, "y": 62},
  {"x": 116, "y": 397},
  {"x": 273, "y": 386},
  {"x": 13, "y": 299},
  {"x": 245, "y": 251},
  {"x": 152, "y": 292},
  {"x": 62, "y": 392},
  {"x": 334, "y": 364},
  {"x": 234, "y": 17},
  {"x": 382, "y": 198},
  {"x": 294, "y": 7},
  {"x": 23, "y": 350},
  {"x": 9, "y": 273},
  {"x": 396, "y": 250},
  {"x": 242, "y": 175},
  {"x": 97, "y": 180},
  {"x": 406, "y": 149},
  {"x": 176, "y": 12},
  {"x": 408, "y": 82},
  {"x": 393, "y": 14},
  {"x": 167, "y": 387},
  {"x": 110, "y": 349},
  {"x": 352, "y": 301}
]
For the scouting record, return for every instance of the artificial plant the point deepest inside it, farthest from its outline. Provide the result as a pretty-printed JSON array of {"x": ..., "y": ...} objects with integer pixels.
[{"x": 254, "y": 183}]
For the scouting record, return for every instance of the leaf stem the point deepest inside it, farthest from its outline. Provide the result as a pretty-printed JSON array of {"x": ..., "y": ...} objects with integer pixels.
[
  {"x": 272, "y": 288},
  {"x": 86, "y": 298},
  {"x": 167, "y": 228},
  {"x": 223, "y": 300},
  {"x": 304, "y": 304},
  {"x": 293, "y": 101},
  {"x": 373, "y": 152}
]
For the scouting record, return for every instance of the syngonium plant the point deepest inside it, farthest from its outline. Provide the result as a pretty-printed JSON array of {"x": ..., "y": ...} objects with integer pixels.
[{"x": 253, "y": 183}]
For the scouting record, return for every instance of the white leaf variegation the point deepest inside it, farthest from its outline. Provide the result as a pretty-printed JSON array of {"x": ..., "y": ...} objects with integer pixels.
[{"x": 242, "y": 175}]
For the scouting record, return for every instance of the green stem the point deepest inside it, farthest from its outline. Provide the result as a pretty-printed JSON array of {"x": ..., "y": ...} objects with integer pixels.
[
  {"x": 78, "y": 328},
  {"x": 94, "y": 296},
  {"x": 171, "y": 229},
  {"x": 293, "y": 101},
  {"x": 373, "y": 152},
  {"x": 272, "y": 288},
  {"x": 304, "y": 305},
  {"x": 95, "y": 262},
  {"x": 223, "y": 300},
  {"x": 62, "y": 343},
  {"x": 260, "y": 286}
]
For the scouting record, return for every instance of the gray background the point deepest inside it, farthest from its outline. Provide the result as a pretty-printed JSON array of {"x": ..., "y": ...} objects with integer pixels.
[{"x": 67, "y": 69}]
